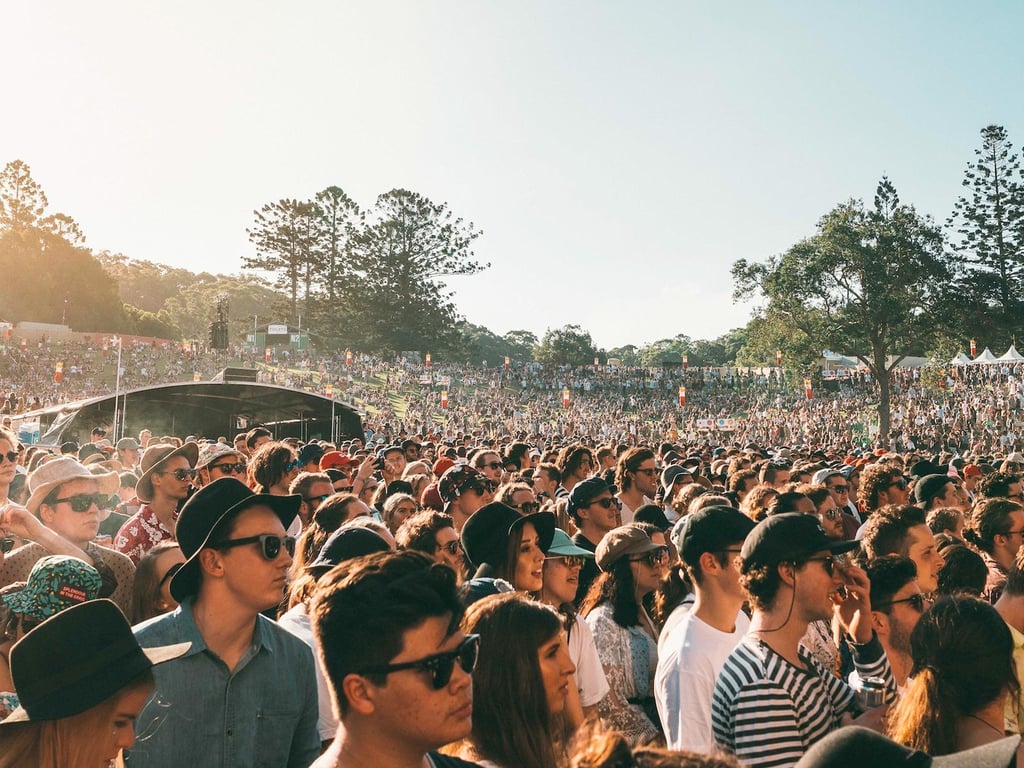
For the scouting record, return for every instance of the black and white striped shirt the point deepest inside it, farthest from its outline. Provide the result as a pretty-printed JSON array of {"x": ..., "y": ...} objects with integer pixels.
[{"x": 768, "y": 712}]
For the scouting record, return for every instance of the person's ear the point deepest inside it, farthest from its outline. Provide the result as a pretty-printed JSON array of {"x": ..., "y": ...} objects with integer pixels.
[
  {"x": 360, "y": 694},
  {"x": 880, "y": 623},
  {"x": 46, "y": 514},
  {"x": 211, "y": 562},
  {"x": 709, "y": 563},
  {"x": 787, "y": 572}
]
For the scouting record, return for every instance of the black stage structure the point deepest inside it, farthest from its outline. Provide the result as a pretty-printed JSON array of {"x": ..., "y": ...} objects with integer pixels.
[{"x": 201, "y": 409}]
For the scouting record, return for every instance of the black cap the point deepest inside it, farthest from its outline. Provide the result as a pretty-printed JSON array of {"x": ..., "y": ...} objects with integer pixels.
[
  {"x": 583, "y": 493},
  {"x": 346, "y": 544},
  {"x": 711, "y": 529},
  {"x": 930, "y": 486},
  {"x": 310, "y": 452},
  {"x": 788, "y": 537}
]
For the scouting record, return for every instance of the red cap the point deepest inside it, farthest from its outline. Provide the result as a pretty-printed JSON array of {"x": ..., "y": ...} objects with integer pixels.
[
  {"x": 333, "y": 459},
  {"x": 431, "y": 499},
  {"x": 971, "y": 470},
  {"x": 441, "y": 465}
]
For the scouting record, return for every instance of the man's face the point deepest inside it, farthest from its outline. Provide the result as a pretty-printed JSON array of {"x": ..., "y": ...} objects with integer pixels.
[
  {"x": 224, "y": 466},
  {"x": 604, "y": 512},
  {"x": 394, "y": 463},
  {"x": 408, "y": 710},
  {"x": 781, "y": 479},
  {"x": 240, "y": 446},
  {"x": 259, "y": 442},
  {"x": 1011, "y": 540},
  {"x": 314, "y": 497},
  {"x": 839, "y": 488},
  {"x": 524, "y": 497},
  {"x": 253, "y": 582},
  {"x": 646, "y": 478},
  {"x": 895, "y": 492},
  {"x": 77, "y": 527},
  {"x": 448, "y": 550},
  {"x": 8, "y": 468},
  {"x": 128, "y": 457},
  {"x": 474, "y": 495},
  {"x": 815, "y": 586},
  {"x": 166, "y": 484},
  {"x": 921, "y": 549},
  {"x": 412, "y": 453},
  {"x": 490, "y": 466},
  {"x": 1013, "y": 491},
  {"x": 948, "y": 498},
  {"x": 903, "y": 617}
]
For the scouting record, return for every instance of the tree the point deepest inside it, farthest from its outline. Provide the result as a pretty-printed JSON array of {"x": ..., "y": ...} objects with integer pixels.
[
  {"x": 22, "y": 200},
  {"x": 870, "y": 283},
  {"x": 568, "y": 345},
  {"x": 285, "y": 235},
  {"x": 658, "y": 353},
  {"x": 520, "y": 345},
  {"x": 340, "y": 219},
  {"x": 989, "y": 221},
  {"x": 407, "y": 248}
]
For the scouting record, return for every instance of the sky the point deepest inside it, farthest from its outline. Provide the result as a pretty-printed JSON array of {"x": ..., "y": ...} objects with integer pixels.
[{"x": 618, "y": 156}]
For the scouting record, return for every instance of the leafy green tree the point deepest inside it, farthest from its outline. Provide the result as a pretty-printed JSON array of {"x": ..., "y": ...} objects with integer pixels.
[
  {"x": 870, "y": 283},
  {"x": 409, "y": 246},
  {"x": 22, "y": 200},
  {"x": 285, "y": 235},
  {"x": 664, "y": 351},
  {"x": 520, "y": 345},
  {"x": 340, "y": 221},
  {"x": 988, "y": 223},
  {"x": 568, "y": 345},
  {"x": 625, "y": 355}
]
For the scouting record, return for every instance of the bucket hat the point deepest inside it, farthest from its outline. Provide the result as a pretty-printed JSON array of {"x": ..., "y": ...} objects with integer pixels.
[{"x": 55, "y": 473}]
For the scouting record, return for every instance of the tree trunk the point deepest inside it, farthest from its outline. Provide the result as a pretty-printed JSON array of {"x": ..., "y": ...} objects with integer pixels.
[{"x": 881, "y": 374}]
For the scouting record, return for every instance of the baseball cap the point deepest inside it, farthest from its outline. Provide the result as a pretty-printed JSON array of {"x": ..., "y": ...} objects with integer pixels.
[
  {"x": 788, "y": 537},
  {"x": 854, "y": 746},
  {"x": 711, "y": 529},
  {"x": 56, "y": 582},
  {"x": 563, "y": 546},
  {"x": 583, "y": 493}
]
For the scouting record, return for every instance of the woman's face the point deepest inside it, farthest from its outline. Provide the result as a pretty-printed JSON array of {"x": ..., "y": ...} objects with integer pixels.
[
  {"x": 529, "y": 574},
  {"x": 400, "y": 513},
  {"x": 7, "y": 467},
  {"x": 164, "y": 562},
  {"x": 556, "y": 671},
  {"x": 122, "y": 722},
  {"x": 648, "y": 571}
]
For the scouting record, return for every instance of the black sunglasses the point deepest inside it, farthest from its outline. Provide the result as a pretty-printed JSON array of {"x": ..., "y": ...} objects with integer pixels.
[
  {"x": 440, "y": 665},
  {"x": 916, "y": 601},
  {"x": 654, "y": 558},
  {"x": 828, "y": 562},
  {"x": 6, "y": 544},
  {"x": 180, "y": 474},
  {"x": 607, "y": 503},
  {"x": 901, "y": 484},
  {"x": 270, "y": 544},
  {"x": 82, "y": 502},
  {"x": 316, "y": 499},
  {"x": 528, "y": 507},
  {"x": 492, "y": 465},
  {"x": 230, "y": 468},
  {"x": 12, "y": 456}
]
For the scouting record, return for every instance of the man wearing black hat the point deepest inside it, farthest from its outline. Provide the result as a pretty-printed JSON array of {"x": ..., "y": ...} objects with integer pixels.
[
  {"x": 692, "y": 653},
  {"x": 773, "y": 699},
  {"x": 245, "y": 694},
  {"x": 595, "y": 510}
]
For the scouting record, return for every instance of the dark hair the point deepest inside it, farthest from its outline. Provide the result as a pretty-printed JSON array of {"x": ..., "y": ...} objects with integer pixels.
[
  {"x": 888, "y": 529},
  {"x": 512, "y": 724},
  {"x": 628, "y": 464},
  {"x": 596, "y": 748},
  {"x": 761, "y": 585},
  {"x": 674, "y": 588},
  {"x": 875, "y": 478},
  {"x": 888, "y": 575},
  {"x": 736, "y": 480},
  {"x": 255, "y": 434},
  {"x": 996, "y": 484},
  {"x": 267, "y": 464},
  {"x": 362, "y": 609},
  {"x": 570, "y": 458},
  {"x": 419, "y": 531},
  {"x": 146, "y": 589},
  {"x": 516, "y": 453},
  {"x": 964, "y": 572},
  {"x": 785, "y": 502},
  {"x": 988, "y": 518},
  {"x": 963, "y": 660},
  {"x": 614, "y": 587},
  {"x": 944, "y": 519}
]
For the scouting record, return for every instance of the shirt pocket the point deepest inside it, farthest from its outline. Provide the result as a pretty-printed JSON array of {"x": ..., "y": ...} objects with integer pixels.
[{"x": 275, "y": 730}]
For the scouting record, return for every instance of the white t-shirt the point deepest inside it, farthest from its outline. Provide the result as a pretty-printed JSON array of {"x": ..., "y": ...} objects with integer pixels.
[
  {"x": 590, "y": 679},
  {"x": 689, "y": 660},
  {"x": 674, "y": 618},
  {"x": 296, "y": 621}
]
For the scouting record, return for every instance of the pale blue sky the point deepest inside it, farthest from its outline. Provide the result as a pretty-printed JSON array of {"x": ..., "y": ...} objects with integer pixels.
[{"x": 619, "y": 156}]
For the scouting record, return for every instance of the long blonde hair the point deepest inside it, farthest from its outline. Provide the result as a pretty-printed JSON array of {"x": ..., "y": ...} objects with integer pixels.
[{"x": 76, "y": 740}]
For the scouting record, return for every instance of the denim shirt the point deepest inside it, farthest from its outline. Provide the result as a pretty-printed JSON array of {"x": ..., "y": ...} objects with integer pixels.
[{"x": 261, "y": 715}]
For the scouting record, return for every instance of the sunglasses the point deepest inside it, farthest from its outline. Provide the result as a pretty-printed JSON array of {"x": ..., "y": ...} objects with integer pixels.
[
  {"x": 270, "y": 544},
  {"x": 478, "y": 487},
  {"x": 492, "y": 465},
  {"x": 831, "y": 514},
  {"x": 648, "y": 472},
  {"x": 570, "y": 561},
  {"x": 82, "y": 502},
  {"x": 295, "y": 464},
  {"x": 839, "y": 488},
  {"x": 655, "y": 558},
  {"x": 917, "y": 602},
  {"x": 230, "y": 468},
  {"x": 6, "y": 544},
  {"x": 828, "y": 562},
  {"x": 11, "y": 456},
  {"x": 528, "y": 507},
  {"x": 901, "y": 484},
  {"x": 608, "y": 503},
  {"x": 180, "y": 474},
  {"x": 440, "y": 665},
  {"x": 452, "y": 547},
  {"x": 316, "y": 499}
]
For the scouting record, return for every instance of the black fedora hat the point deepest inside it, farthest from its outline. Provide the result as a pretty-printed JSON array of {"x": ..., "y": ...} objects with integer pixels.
[
  {"x": 78, "y": 658},
  {"x": 485, "y": 535},
  {"x": 212, "y": 505}
]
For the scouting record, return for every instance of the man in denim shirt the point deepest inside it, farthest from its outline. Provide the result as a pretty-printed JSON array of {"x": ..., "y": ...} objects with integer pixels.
[{"x": 245, "y": 694}]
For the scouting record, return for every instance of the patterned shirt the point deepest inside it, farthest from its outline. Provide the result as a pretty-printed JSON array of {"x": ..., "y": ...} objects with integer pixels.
[
  {"x": 769, "y": 713},
  {"x": 140, "y": 533}
]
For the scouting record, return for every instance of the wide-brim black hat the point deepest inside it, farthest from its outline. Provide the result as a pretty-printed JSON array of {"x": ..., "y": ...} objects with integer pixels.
[
  {"x": 208, "y": 508},
  {"x": 790, "y": 537},
  {"x": 78, "y": 658},
  {"x": 485, "y": 535}
]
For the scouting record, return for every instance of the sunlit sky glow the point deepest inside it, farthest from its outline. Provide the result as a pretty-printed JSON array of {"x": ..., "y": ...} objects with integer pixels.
[{"x": 619, "y": 156}]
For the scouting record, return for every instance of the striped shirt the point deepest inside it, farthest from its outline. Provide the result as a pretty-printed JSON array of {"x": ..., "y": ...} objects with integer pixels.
[{"x": 768, "y": 712}]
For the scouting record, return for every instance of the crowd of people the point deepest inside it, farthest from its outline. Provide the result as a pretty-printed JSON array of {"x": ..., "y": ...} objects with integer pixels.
[{"x": 486, "y": 597}]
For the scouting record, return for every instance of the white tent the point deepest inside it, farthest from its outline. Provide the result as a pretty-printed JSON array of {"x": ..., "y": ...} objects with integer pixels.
[
  {"x": 1011, "y": 355},
  {"x": 960, "y": 359},
  {"x": 984, "y": 358}
]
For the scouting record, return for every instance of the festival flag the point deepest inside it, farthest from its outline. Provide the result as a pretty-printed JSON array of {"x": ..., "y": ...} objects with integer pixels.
[
  {"x": 444, "y": 398},
  {"x": 59, "y": 373},
  {"x": 196, "y": 377},
  {"x": 778, "y": 358},
  {"x": 682, "y": 396},
  {"x": 686, "y": 362},
  {"x": 348, "y": 357},
  {"x": 565, "y": 398},
  {"x": 507, "y": 362},
  {"x": 428, "y": 359},
  {"x": 266, "y": 354},
  {"x": 807, "y": 388},
  {"x": 974, "y": 349}
]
